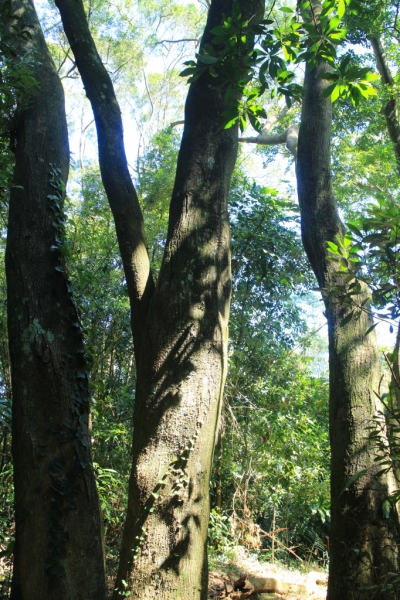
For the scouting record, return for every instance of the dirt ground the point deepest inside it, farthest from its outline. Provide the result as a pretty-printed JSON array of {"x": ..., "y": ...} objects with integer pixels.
[
  {"x": 289, "y": 584},
  {"x": 281, "y": 582}
]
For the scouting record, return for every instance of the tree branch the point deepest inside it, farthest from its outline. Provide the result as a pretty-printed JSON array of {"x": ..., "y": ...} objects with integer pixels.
[
  {"x": 176, "y": 123},
  {"x": 288, "y": 137},
  {"x": 197, "y": 40}
]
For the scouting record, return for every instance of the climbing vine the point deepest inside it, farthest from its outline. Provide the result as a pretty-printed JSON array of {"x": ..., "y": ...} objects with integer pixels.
[{"x": 65, "y": 478}]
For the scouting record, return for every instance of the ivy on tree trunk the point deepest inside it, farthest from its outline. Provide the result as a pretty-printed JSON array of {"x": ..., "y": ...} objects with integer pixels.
[{"x": 58, "y": 551}]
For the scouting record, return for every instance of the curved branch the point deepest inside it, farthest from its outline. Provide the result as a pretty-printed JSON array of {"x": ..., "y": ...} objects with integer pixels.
[{"x": 176, "y": 123}]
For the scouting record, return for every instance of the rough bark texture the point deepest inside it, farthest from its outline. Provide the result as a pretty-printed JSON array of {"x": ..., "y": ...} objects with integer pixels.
[
  {"x": 363, "y": 548},
  {"x": 391, "y": 108},
  {"x": 115, "y": 175},
  {"x": 58, "y": 551},
  {"x": 183, "y": 360}
]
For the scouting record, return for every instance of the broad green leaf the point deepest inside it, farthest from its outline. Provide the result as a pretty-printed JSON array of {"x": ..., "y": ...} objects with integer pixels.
[
  {"x": 335, "y": 93},
  {"x": 186, "y": 72},
  {"x": 333, "y": 23},
  {"x": 326, "y": 93},
  {"x": 206, "y": 59},
  {"x": 352, "y": 480},
  {"x": 333, "y": 247},
  {"x": 231, "y": 123}
]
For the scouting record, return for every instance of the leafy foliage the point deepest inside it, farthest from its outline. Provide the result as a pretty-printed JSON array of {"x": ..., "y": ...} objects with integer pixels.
[
  {"x": 310, "y": 33},
  {"x": 271, "y": 462},
  {"x": 369, "y": 254}
]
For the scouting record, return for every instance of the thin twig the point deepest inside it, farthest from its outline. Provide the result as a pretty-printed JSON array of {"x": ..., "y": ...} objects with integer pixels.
[
  {"x": 283, "y": 546},
  {"x": 391, "y": 370}
]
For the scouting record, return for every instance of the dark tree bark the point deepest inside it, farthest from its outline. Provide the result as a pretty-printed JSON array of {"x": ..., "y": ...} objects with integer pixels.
[
  {"x": 182, "y": 367},
  {"x": 115, "y": 175},
  {"x": 363, "y": 543},
  {"x": 58, "y": 551}
]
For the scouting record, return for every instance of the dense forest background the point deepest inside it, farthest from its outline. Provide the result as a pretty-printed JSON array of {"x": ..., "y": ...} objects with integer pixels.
[{"x": 271, "y": 462}]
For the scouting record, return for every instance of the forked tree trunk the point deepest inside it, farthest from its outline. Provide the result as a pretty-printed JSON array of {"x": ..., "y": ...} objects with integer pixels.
[
  {"x": 363, "y": 543},
  {"x": 58, "y": 551},
  {"x": 182, "y": 366}
]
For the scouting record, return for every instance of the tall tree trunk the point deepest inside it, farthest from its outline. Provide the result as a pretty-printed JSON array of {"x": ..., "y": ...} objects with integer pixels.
[
  {"x": 182, "y": 367},
  {"x": 363, "y": 543},
  {"x": 58, "y": 550}
]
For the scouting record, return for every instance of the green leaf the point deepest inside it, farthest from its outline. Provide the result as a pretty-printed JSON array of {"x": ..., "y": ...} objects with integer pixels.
[
  {"x": 231, "y": 123},
  {"x": 333, "y": 23},
  {"x": 370, "y": 76},
  {"x": 335, "y": 93},
  {"x": 333, "y": 247},
  {"x": 254, "y": 122},
  {"x": 326, "y": 93},
  {"x": 352, "y": 480},
  {"x": 386, "y": 508},
  {"x": 354, "y": 7},
  {"x": 354, "y": 229},
  {"x": 187, "y": 72},
  {"x": 341, "y": 9},
  {"x": 237, "y": 13},
  {"x": 347, "y": 319},
  {"x": 207, "y": 59},
  {"x": 370, "y": 329}
]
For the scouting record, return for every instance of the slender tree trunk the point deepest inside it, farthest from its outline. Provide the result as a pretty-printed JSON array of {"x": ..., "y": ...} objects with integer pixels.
[
  {"x": 391, "y": 108},
  {"x": 58, "y": 550},
  {"x": 182, "y": 368},
  {"x": 115, "y": 175},
  {"x": 363, "y": 543}
]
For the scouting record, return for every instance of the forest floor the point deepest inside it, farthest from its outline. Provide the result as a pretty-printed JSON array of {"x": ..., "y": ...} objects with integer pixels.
[{"x": 280, "y": 581}]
